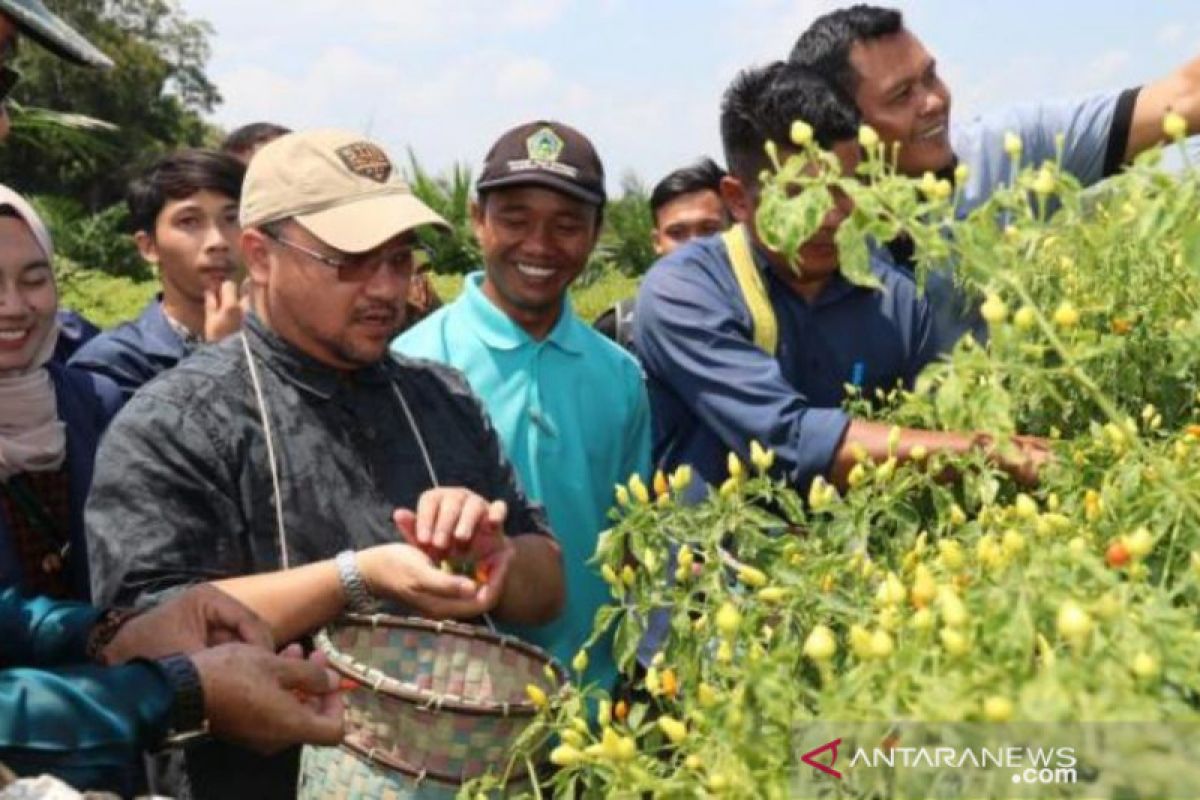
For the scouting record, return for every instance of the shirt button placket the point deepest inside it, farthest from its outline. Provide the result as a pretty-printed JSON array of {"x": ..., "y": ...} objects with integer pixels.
[{"x": 538, "y": 429}]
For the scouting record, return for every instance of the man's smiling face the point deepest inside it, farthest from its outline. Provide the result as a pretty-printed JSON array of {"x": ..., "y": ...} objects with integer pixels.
[{"x": 900, "y": 95}]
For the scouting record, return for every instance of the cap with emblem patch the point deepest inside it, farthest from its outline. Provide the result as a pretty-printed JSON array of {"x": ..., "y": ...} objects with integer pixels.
[
  {"x": 342, "y": 188},
  {"x": 548, "y": 154}
]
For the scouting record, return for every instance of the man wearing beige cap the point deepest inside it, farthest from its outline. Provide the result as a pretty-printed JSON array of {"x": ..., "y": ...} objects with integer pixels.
[
  {"x": 32, "y": 19},
  {"x": 290, "y": 461}
]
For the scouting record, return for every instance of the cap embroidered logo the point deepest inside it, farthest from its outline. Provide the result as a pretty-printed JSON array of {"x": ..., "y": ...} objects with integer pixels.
[
  {"x": 366, "y": 160},
  {"x": 544, "y": 147}
]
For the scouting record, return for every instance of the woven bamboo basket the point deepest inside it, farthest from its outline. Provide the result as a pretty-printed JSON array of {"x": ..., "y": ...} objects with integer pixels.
[{"x": 440, "y": 703}]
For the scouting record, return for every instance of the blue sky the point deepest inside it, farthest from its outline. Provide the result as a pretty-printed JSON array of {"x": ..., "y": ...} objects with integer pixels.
[{"x": 643, "y": 78}]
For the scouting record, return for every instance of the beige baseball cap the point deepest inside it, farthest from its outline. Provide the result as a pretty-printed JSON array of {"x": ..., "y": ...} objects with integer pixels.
[{"x": 343, "y": 188}]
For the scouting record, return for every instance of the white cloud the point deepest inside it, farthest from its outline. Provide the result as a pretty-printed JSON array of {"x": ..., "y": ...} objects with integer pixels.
[
  {"x": 1103, "y": 71},
  {"x": 256, "y": 93},
  {"x": 523, "y": 78},
  {"x": 1171, "y": 34},
  {"x": 446, "y": 78},
  {"x": 408, "y": 20},
  {"x": 763, "y": 30},
  {"x": 526, "y": 14},
  {"x": 448, "y": 112}
]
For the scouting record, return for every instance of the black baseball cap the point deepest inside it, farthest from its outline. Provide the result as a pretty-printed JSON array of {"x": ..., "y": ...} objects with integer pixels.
[{"x": 548, "y": 154}]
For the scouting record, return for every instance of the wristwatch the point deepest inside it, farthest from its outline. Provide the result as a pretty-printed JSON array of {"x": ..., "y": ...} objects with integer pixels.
[
  {"x": 188, "y": 720},
  {"x": 358, "y": 597}
]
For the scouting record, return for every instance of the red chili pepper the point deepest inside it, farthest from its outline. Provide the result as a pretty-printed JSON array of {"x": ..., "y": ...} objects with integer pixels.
[{"x": 1117, "y": 555}]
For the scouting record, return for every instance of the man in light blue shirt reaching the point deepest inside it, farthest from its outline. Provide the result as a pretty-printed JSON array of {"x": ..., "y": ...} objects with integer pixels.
[
  {"x": 570, "y": 406},
  {"x": 868, "y": 54}
]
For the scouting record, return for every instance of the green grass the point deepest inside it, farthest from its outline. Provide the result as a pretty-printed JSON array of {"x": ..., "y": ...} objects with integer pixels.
[
  {"x": 447, "y": 287},
  {"x": 102, "y": 298},
  {"x": 602, "y": 294},
  {"x": 589, "y": 301},
  {"x": 107, "y": 300}
]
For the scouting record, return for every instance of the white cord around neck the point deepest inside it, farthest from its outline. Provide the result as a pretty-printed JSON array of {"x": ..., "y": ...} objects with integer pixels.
[
  {"x": 412, "y": 424},
  {"x": 272, "y": 462}
]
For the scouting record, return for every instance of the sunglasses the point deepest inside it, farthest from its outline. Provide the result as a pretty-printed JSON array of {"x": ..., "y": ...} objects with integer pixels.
[{"x": 9, "y": 78}]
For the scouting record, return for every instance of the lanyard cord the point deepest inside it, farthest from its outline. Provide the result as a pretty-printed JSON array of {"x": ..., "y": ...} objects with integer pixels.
[
  {"x": 271, "y": 460},
  {"x": 412, "y": 424},
  {"x": 273, "y": 463}
]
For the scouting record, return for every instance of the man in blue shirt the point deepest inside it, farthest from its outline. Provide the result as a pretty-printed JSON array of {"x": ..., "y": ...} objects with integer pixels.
[
  {"x": 869, "y": 55},
  {"x": 184, "y": 210},
  {"x": 712, "y": 388},
  {"x": 570, "y": 406}
]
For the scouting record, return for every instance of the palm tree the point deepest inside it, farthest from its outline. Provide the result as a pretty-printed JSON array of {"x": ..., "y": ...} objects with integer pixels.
[{"x": 454, "y": 251}]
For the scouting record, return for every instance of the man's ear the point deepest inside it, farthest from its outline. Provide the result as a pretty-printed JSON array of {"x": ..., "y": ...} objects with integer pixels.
[
  {"x": 256, "y": 255},
  {"x": 477, "y": 215},
  {"x": 737, "y": 199},
  {"x": 658, "y": 241},
  {"x": 147, "y": 248}
]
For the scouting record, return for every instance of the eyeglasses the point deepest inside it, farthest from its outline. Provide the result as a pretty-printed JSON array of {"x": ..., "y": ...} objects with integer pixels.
[
  {"x": 359, "y": 268},
  {"x": 9, "y": 78}
]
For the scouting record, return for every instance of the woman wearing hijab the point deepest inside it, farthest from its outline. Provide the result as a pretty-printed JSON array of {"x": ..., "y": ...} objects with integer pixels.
[{"x": 51, "y": 418}]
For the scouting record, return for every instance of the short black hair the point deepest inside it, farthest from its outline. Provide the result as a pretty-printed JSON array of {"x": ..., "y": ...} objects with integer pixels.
[
  {"x": 825, "y": 46},
  {"x": 761, "y": 104},
  {"x": 701, "y": 176},
  {"x": 178, "y": 175},
  {"x": 246, "y": 138}
]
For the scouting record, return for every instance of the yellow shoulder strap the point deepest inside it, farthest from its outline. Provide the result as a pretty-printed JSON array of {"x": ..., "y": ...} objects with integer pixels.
[{"x": 754, "y": 292}]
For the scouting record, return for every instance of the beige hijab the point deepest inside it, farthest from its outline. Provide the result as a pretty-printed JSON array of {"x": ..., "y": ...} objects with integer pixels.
[{"x": 32, "y": 438}]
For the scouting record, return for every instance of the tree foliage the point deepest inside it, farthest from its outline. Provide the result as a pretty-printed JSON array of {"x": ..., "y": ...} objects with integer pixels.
[
  {"x": 455, "y": 252},
  {"x": 626, "y": 241},
  {"x": 155, "y": 96}
]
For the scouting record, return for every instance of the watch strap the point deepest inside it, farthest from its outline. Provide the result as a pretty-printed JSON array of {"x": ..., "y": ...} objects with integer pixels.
[{"x": 187, "y": 710}]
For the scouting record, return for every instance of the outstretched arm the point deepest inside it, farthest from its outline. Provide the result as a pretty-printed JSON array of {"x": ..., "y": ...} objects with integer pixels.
[
  {"x": 872, "y": 438},
  {"x": 1178, "y": 92},
  {"x": 523, "y": 581}
]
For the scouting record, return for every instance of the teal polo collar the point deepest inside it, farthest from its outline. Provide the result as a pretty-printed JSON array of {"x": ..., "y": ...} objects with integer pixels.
[{"x": 495, "y": 329}]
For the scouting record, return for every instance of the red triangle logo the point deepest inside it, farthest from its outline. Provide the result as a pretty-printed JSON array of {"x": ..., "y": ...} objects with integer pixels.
[{"x": 810, "y": 758}]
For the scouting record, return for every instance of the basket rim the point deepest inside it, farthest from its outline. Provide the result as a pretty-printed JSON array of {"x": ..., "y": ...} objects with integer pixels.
[
  {"x": 386, "y": 760},
  {"x": 394, "y": 687}
]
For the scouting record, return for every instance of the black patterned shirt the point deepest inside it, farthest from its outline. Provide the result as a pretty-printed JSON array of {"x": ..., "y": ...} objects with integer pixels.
[{"x": 183, "y": 489}]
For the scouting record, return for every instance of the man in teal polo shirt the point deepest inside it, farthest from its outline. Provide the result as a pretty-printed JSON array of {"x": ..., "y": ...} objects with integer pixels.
[{"x": 570, "y": 405}]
